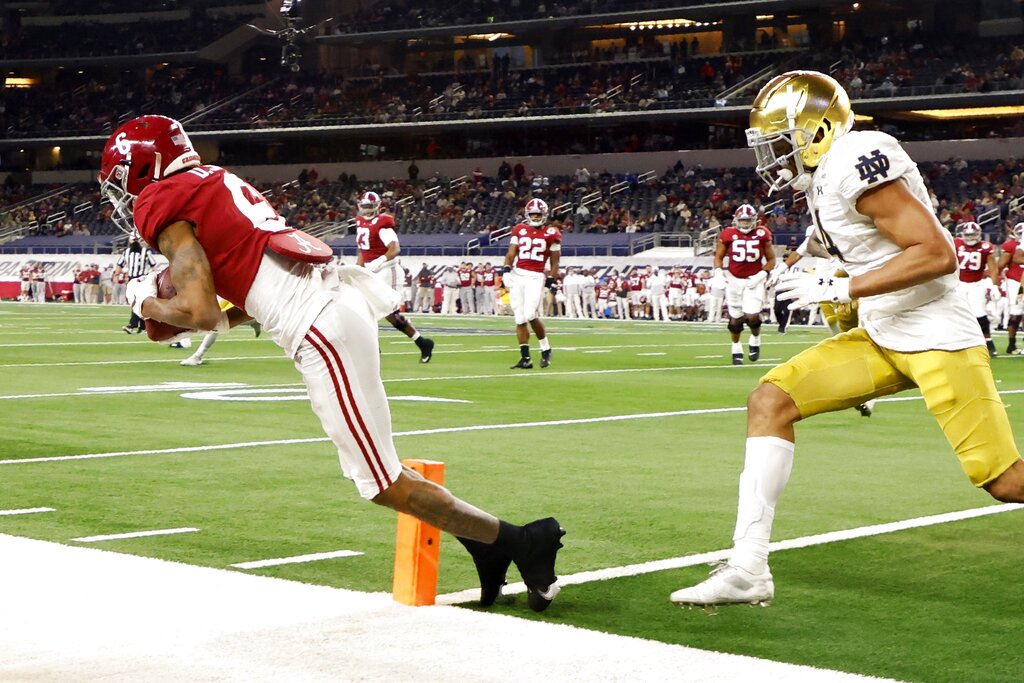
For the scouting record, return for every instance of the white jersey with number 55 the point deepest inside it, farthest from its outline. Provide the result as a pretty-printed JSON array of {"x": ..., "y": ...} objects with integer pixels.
[{"x": 931, "y": 315}]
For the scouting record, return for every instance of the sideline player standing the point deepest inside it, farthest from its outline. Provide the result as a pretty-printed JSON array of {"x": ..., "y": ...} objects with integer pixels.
[
  {"x": 976, "y": 256},
  {"x": 751, "y": 258},
  {"x": 533, "y": 245},
  {"x": 872, "y": 212},
  {"x": 1012, "y": 259},
  {"x": 222, "y": 237},
  {"x": 378, "y": 252}
]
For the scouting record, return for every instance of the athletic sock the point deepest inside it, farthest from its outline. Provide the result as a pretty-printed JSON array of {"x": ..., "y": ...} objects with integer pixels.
[
  {"x": 415, "y": 335},
  {"x": 755, "y": 340},
  {"x": 737, "y": 348},
  {"x": 545, "y": 345},
  {"x": 207, "y": 343},
  {"x": 524, "y": 351},
  {"x": 511, "y": 539},
  {"x": 766, "y": 469}
]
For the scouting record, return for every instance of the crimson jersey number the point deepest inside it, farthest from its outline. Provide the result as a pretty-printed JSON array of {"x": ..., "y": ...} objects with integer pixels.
[
  {"x": 363, "y": 238},
  {"x": 970, "y": 260},
  {"x": 745, "y": 251},
  {"x": 532, "y": 250}
]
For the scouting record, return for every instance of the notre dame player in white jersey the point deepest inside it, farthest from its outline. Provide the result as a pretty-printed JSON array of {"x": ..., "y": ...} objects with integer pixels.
[{"x": 871, "y": 211}]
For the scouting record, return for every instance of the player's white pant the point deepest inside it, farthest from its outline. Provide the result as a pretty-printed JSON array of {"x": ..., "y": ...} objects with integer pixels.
[
  {"x": 525, "y": 295},
  {"x": 623, "y": 305},
  {"x": 451, "y": 295},
  {"x": 675, "y": 297},
  {"x": 392, "y": 275},
  {"x": 424, "y": 299},
  {"x": 76, "y": 292},
  {"x": 479, "y": 294},
  {"x": 487, "y": 301},
  {"x": 659, "y": 307},
  {"x": 976, "y": 294},
  {"x": 468, "y": 298},
  {"x": 573, "y": 304},
  {"x": 745, "y": 296},
  {"x": 1014, "y": 306},
  {"x": 340, "y": 364},
  {"x": 39, "y": 291},
  {"x": 590, "y": 304}
]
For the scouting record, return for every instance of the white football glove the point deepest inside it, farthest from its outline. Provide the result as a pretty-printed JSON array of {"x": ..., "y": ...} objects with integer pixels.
[
  {"x": 804, "y": 289},
  {"x": 377, "y": 264},
  {"x": 773, "y": 277},
  {"x": 717, "y": 278},
  {"x": 138, "y": 290}
]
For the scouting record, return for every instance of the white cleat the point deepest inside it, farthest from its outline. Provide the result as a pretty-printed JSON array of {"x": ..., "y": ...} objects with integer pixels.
[
  {"x": 193, "y": 361},
  {"x": 728, "y": 585}
]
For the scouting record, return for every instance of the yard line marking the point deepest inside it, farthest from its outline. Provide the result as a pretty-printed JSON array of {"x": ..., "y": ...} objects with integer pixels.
[
  {"x": 714, "y": 355},
  {"x": 135, "y": 534},
  {"x": 312, "y": 557},
  {"x": 417, "y": 432},
  {"x": 173, "y": 361},
  {"x": 599, "y": 351},
  {"x": 659, "y": 353},
  {"x": 717, "y": 555},
  {"x": 24, "y": 511}
]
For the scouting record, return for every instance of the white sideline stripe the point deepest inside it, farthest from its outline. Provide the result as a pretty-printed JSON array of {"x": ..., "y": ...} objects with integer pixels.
[
  {"x": 24, "y": 511},
  {"x": 237, "y": 626},
  {"x": 171, "y": 361},
  {"x": 717, "y": 555},
  {"x": 312, "y": 557},
  {"x": 135, "y": 534},
  {"x": 417, "y": 432},
  {"x": 660, "y": 353}
]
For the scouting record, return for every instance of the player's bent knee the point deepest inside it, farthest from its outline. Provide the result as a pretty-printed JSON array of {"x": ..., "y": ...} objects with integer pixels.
[
  {"x": 770, "y": 405},
  {"x": 735, "y": 326},
  {"x": 398, "y": 321},
  {"x": 1008, "y": 487}
]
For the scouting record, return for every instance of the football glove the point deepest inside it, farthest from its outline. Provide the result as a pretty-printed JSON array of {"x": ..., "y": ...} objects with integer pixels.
[
  {"x": 505, "y": 270},
  {"x": 773, "y": 277},
  {"x": 804, "y": 289},
  {"x": 377, "y": 264},
  {"x": 549, "y": 282},
  {"x": 138, "y": 290}
]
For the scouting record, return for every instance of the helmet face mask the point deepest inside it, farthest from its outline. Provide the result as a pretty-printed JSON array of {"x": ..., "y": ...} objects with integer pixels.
[
  {"x": 369, "y": 204},
  {"x": 970, "y": 233},
  {"x": 793, "y": 123},
  {"x": 745, "y": 218},
  {"x": 139, "y": 153},
  {"x": 536, "y": 213}
]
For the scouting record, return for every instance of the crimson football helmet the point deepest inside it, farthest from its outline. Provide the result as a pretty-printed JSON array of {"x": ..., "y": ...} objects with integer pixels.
[
  {"x": 137, "y": 154},
  {"x": 745, "y": 218},
  {"x": 536, "y": 212},
  {"x": 969, "y": 232},
  {"x": 369, "y": 204},
  {"x": 1017, "y": 232}
]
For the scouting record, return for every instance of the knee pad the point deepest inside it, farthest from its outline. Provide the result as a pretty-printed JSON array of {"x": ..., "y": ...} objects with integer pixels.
[{"x": 735, "y": 326}]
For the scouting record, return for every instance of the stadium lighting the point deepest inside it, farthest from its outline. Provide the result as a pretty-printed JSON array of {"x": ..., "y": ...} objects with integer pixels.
[{"x": 968, "y": 113}]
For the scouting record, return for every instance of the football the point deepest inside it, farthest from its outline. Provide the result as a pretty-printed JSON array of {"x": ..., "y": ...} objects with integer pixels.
[{"x": 156, "y": 330}]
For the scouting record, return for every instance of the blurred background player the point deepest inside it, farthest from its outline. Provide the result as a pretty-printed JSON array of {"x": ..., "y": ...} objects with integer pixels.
[
  {"x": 198, "y": 357},
  {"x": 977, "y": 269},
  {"x": 533, "y": 245},
  {"x": 1012, "y": 259},
  {"x": 751, "y": 258},
  {"x": 488, "y": 281},
  {"x": 378, "y": 252},
  {"x": 135, "y": 261},
  {"x": 467, "y": 288}
]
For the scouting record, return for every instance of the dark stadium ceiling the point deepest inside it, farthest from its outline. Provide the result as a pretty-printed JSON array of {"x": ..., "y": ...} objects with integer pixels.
[{"x": 704, "y": 12}]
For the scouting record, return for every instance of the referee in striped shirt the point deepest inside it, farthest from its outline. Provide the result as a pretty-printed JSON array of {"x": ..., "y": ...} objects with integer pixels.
[{"x": 136, "y": 261}]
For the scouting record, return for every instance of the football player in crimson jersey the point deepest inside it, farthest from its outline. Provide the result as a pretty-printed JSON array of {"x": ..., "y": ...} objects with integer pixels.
[
  {"x": 871, "y": 210},
  {"x": 378, "y": 245},
  {"x": 222, "y": 237},
  {"x": 977, "y": 270},
  {"x": 751, "y": 258},
  {"x": 533, "y": 245},
  {"x": 1012, "y": 259}
]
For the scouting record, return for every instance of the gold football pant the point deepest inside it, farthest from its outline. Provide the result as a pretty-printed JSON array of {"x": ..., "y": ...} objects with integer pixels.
[{"x": 849, "y": 369}]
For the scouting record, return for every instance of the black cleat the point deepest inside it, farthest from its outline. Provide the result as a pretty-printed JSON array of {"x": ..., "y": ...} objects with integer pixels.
[
  {"x": 737, "y": 359},
  {"x": 1011, "y": 349},
  {"x": 545, "y": 358},
  {"x": 127, "y": 329},
  {"x": 523, "y": 364},
  {"x": 491, "y": 567},
  {"x": 755, "y": 353},
  {"x": 426, "y": 349},
  {"x": 537, "y": 563},
  {"x": 257, "y": 328}
]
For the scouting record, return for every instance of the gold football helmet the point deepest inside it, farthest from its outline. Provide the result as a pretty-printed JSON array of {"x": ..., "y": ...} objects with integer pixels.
[{"x": 793, "y": 122}]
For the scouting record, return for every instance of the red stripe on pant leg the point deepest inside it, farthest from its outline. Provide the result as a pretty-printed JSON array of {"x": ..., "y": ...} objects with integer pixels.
[
  {"x": 352, "y": 400},
  {"x": 344, "y": 412}
]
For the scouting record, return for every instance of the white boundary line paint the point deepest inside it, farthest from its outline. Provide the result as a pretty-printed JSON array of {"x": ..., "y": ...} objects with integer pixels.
[
  {"x": 24, "y": 511},
  {"x": 717, "y": 555},
  {"x": 416, "y": 432},
  {"x": 312, "y": 557},
  {"x": 135, "y": 534},
  {"x": 236, "y": 626}
]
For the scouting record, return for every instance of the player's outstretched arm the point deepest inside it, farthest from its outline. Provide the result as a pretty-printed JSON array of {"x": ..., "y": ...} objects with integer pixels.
[
  {"x": 901, "y": 218},
  {"x": 194, "y": 307}
]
